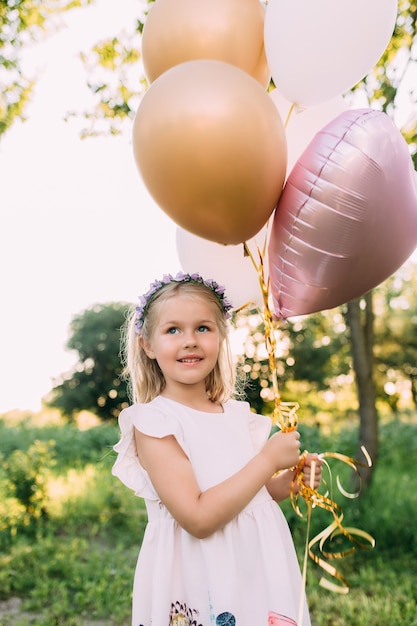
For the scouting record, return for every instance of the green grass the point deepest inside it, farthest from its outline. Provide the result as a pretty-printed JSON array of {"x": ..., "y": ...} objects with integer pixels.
[
  {"x": 382, "y": 593},
  {"x": 69, "y": 540}
]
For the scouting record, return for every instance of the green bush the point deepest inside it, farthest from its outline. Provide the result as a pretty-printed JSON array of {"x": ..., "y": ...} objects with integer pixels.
[{"x": 71, "y": 446}]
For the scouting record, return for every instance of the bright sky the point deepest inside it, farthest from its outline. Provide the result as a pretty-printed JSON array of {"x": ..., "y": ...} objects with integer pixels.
[{"x": 77, "y": 225}]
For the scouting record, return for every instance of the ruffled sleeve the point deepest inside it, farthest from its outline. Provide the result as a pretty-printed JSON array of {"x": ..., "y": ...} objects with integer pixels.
[{"x": 150, "y": 421}]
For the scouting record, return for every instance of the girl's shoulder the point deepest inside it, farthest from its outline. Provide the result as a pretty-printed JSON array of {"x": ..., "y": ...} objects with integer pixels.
[
  {"x": 237, "y": 405},
  {"x": 154, "y": 418},
  {"x": 242, "y": 407},
  {"x": 259, "y": 426}
]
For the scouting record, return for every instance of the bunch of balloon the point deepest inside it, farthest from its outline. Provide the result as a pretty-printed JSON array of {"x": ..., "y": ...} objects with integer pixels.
[{"x": 208, "y": 141}]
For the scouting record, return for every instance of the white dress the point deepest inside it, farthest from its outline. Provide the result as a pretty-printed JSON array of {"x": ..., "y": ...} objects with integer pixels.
[{"x": 245, "y": 574}]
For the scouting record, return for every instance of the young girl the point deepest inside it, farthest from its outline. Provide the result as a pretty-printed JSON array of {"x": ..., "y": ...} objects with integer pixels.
[{"x": 217, "y": 549}]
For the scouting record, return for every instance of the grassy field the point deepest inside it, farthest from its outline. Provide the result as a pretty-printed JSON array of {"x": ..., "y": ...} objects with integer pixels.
[{"x": 70, "y": 533}]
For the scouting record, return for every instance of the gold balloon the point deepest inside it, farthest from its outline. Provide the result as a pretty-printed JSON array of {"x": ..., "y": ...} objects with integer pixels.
[
  {"x": 232, "y": 31},
  {"x": 210, "y": 146}
]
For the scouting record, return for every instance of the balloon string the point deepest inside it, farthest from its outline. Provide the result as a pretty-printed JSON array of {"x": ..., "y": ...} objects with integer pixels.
[
  {"x": 285, "y": 413},
  {"x": 306, "y": 549},
  {"x": 290, "y": 112}
]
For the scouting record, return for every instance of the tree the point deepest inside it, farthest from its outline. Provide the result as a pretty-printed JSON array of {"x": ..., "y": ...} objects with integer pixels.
[
  {"x": 22, "y": 23},
  {"x": 96, "y": 383},
  {"x": 360, "y": 320},
  {"x": 383, "y": 89}
]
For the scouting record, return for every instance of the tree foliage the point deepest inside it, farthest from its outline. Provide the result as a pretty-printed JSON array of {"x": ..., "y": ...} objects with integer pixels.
[
  {"x": 96, "y": 383},
  {"x": 112, "y": 66},
  {"x": 23, "y": 23},
  {"x": 116, "y": 79}
]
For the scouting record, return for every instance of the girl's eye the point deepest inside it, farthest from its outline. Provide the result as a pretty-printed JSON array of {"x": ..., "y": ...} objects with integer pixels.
[
  {"x": 172, "y": 330},
  {"x": 203, "y": 329}
]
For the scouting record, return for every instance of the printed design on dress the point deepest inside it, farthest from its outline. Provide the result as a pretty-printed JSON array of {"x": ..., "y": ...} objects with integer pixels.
[
  {"x": 279, "y": 620},
  {"x": 181, "y": 615},
  {"x": 225, "y": 619}
]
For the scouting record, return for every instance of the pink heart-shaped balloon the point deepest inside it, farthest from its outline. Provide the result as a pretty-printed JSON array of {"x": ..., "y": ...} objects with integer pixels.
[{"x": 347, "y": 217}]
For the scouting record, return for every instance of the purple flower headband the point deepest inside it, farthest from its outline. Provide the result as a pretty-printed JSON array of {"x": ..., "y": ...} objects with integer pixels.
[{"x": 146, "y": 299}]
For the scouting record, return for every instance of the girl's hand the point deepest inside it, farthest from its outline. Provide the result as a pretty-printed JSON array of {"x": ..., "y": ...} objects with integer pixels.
[
  {"x": 307, "y": 470},
  {"x": 282, "y": 450},
  {"x": 282, "y": 485}
]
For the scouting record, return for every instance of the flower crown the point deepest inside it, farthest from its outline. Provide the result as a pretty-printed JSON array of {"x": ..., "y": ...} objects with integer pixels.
[{"x": 155, "y": 287}]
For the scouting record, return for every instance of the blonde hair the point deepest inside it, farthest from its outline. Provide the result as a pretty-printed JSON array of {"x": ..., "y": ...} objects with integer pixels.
[{"x": 145, "y": 378}]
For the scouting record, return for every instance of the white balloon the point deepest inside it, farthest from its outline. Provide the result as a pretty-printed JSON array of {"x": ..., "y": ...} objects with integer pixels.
[
  {"x": 318, "y": 49},
  {"x": 226, "y": 264},
  {"x": 302, "y": 124}
]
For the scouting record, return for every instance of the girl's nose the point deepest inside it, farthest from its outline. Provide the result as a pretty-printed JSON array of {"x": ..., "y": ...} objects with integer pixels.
[{"x": 189, "y": 339}]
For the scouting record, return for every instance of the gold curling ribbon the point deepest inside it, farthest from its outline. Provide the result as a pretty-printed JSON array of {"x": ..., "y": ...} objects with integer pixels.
[
  {"x": 285, "y": 417},
  {"x": 313, "y": 498},
  {"x": 285, "y": 413}
]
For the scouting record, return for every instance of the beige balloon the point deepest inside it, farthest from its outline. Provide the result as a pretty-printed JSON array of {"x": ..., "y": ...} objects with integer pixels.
[
  {"x": 210, "y": 146},
  {"x": 232, "y": 31}
]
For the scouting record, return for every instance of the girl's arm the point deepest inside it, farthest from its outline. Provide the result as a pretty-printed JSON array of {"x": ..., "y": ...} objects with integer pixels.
[
  {"x": 202, "y": 513},
  {"x": 279, "y": 486}
]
